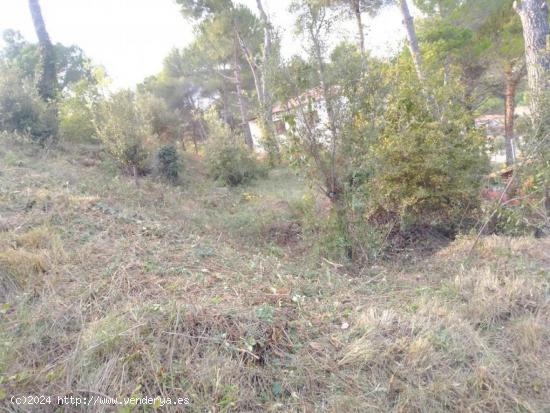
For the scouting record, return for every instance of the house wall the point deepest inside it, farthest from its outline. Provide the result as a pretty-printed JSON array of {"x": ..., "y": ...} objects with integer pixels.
[
  {"x": 256, "y": 132},
  {"x": 319, "y": 125}
]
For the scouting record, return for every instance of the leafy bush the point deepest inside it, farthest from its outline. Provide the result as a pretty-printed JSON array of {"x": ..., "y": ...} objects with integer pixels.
[
  {"x": 76, "y": 112},
  {"x": 227, "y": 161},
  {"x": 21, "y": 110},
  {"x": 428, "y": 169},
  {"x": 169, "y": 163},
  {"x": 395, "y": 168},
  {"x": 232, "y": 164},
  {"x": 124, "y": 130}
]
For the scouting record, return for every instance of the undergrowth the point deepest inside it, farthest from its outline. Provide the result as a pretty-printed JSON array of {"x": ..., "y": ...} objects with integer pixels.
[{"x": 108, "y": 288}]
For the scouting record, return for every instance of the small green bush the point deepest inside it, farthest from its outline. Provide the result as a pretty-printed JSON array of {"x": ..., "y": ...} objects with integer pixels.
[
  {"x": 169, "y": 163},
  {"x": 76, "y": 112},
  {"x": 124, "y": 130},
  {"x": 232, "y": 164},
  {"x": 226, "y": 160}
]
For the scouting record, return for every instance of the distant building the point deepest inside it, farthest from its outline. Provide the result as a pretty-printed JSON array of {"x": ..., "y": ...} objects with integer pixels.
[{"x": 308, "y": 110}]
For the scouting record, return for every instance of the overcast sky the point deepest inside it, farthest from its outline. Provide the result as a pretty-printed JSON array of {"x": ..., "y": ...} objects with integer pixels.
[{"x": 131, "y": 37}]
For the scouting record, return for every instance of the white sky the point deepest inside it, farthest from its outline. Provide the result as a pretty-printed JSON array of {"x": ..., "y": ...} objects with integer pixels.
[{"x": 131, "y": 37}]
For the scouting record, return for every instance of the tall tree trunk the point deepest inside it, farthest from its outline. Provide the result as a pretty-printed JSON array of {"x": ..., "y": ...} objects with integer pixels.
[
  {"x": 267, "y": 101},
  {"x": 408, "y": 23},
  {"x": 332, "y": 182},
  {"x": 242, "y": 106},
  {"x": 225, "y": 105},
  {"x": 512, "y": 79},
  {"x": 356, "y": 9},
  {"x": 534, "y": 19},
  {"x": 509, "y": 109},
  {"x": 418, "y": 62},
  {"x": 260, "y": 74},
  {"x": 266, "y": 62},
  {"x": 47, "y": 77},
  {"x": 256, "y": 73}
]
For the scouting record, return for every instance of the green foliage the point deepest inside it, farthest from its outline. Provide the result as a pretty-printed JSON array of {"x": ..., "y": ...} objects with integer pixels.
[
  {"x": 123, "y": 128},
  {"x": 71, "y": 63},
  {"x": 226, "y": 160},
  {"x": 21, "y": 109},
  {"x": 199, "y": 9},
  {"x": 427, "y": 170},
  {"x": 169, "y": 163},
  {"x": 270, "y": 144},
  {"x": 441, "y": 7},
  {"x": 76, "y": 111},
  {"x": 232, "y": 164}
]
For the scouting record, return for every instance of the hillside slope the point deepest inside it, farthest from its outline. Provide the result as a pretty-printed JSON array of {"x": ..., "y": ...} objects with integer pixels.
[{"x": 199, "y": 292}]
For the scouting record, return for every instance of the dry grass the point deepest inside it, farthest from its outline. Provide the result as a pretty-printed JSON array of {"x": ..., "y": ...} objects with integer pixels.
[{"x": 183, "y": 292}]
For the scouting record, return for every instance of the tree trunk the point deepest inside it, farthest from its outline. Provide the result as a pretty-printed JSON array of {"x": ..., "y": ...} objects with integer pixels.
[
  {"x": 356, "y": 9},
  {"x": 509, "y": 109},
  {"x": 261, "y": 79},
  {"x": 242, "y": 107},
  {"x": 332, "y": 184},
  {"x": 417, "y": 57},
  {"x": 534, "y": 19},
  {"x": 266, "y": 62},
  {"x": 47, "y": 77},
  {"x": 512, "y": 79},
  {"x": 412, "y": 41}
]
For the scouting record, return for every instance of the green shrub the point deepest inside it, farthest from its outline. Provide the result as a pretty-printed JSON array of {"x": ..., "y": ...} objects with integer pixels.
[
  {"x": 124, "y": 130},
  {"x": 169, "y": 163},
  {"x": 76, "y": 112},
  {"x": 226, "y": 160},
  {"x": 21, "y": 110},
  {"x": 232, "y": 164},
  {"x": 428, "y": 168}
]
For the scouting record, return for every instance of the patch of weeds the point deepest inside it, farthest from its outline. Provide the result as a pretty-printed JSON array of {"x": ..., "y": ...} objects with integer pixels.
[
  {"x": 103, "y": 336},
  {"x": 424, "y": 291},
  {"x": 11, "y": 160},
  {"x": 19, "y": 267},
  {"x": 229, "y": 398},
  {"x": 274, "y": 250},
  {"x": 449, "y": 291},
  {"x": 216, "y": 300},
  {"x": 181, "y": 271},
  {"x": 265, "y": 313},
  {"x": 152, "y": 266},
  {"x": 42, "y": 237},
  {"x": 441, "y": 339},
  {"x": 108, "y": 166},
  {"x": 110, "y": 269},
  {"x": 5, "y": 351},
  {"x": 204, "y": 251}
]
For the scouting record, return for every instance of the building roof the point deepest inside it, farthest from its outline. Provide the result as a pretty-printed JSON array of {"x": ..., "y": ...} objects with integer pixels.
[{"x": 315, "y": 95}]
